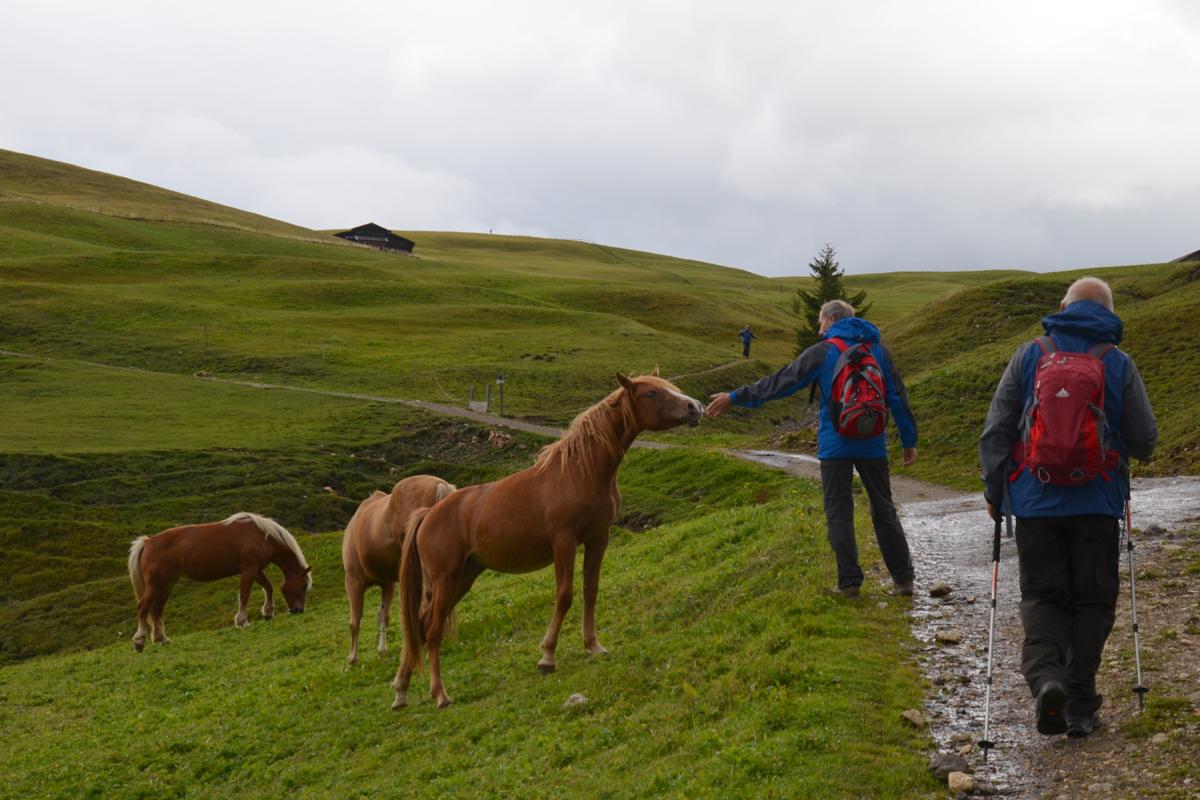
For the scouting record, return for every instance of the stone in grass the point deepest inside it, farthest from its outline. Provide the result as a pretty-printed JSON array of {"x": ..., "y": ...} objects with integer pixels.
[
  {"x": 960, "y": 783},
  {"x": 1159, "y": 738},
  {"x": 949, "y": 636},
  {"x": 914, "y": 718},
  {"x": 940, "y": 589},
  {"x": 576, "y": 700},
  {"x": 942, "y": 764}
]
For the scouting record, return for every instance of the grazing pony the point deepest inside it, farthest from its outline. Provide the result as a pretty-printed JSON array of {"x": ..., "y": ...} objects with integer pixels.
[
  {"x": 373, "y": 544},
  {"x": 241, "y": 545},
  {"x": 531, "y": 519}
]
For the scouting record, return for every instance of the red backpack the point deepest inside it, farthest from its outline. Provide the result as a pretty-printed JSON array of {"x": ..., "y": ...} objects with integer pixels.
[
  {"x": 857, "y": 404},
  {"x": 1065, "y": 433}
]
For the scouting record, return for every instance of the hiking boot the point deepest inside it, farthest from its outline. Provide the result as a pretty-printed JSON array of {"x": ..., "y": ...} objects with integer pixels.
[
  {"x": 849, "y": 592},
  {"x": 1051, "y": 699},
  {"x": 1078, "y": 727},
  {"x": 902, "y": 588}
]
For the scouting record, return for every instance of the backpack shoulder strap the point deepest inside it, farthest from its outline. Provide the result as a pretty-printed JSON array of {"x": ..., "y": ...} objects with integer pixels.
[
  {"x": 1101, "y": 349},
  {"x": 838, "y": 343},
  {"x": 1047, "y": 345}
]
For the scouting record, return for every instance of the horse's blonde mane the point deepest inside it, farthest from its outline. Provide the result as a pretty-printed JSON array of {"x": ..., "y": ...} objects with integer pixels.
[
  {"x": 273, "y": 530},
  {"x": 597, "y": 424}
]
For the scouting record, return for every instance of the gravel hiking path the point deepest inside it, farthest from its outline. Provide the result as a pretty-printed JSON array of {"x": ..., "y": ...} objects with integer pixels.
[{"x": 950, "y": 536}]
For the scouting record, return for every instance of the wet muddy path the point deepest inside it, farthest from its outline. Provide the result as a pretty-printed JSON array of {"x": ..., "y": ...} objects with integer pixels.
[
  {"x": 950, "y": 536},
  {"x": 951, "y": 543}
]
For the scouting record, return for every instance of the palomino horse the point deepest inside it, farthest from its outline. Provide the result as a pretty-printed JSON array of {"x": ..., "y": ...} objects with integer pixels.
[
  {"x": 241, "y": 545},
  {"x": 374, "y": 542},
  {"x": 528, "y": 520}
]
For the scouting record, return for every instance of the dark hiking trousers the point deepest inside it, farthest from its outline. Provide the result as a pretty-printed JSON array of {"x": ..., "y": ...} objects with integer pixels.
[
  {"x": 745, "y": 349},
  {"x": 1069, "y": 584},
  {"x": 836, "y": 479}
]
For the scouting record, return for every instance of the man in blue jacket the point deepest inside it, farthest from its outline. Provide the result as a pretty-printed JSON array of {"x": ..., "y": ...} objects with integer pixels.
[
  {"x": 1067, "y": 535},
  {"x": 840, "y": 455},
  {"x": 747, "y": 336}
]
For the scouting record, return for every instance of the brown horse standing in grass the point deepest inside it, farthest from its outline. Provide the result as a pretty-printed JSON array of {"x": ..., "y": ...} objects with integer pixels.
[
  {"x": 524, "y": 522},
  {"x": 241, "y": 545},
  {"x": 373, "y": 544}
]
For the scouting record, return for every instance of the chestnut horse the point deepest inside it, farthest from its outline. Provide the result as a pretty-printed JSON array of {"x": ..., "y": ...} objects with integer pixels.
[
  {"x": 373, "y": 544},
  {"x": 242, "y": 545},
  {"x": 527, "y": 521}
]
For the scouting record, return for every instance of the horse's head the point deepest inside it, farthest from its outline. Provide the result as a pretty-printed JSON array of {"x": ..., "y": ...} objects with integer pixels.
[
  {"x": 295, "y": 588},
  {"x": 658, "y": 404}
]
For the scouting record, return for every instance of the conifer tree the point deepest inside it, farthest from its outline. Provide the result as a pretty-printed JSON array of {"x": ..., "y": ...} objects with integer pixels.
[{"x": 807, "y": 304}]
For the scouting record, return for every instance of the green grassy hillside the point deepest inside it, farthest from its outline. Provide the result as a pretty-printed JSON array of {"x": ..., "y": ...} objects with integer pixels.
[
  {"x": 27, "y": 179},
  {"x": 730, "y": 667},
  {"x": 176, "y": 287},
  {"x": 955, "y": 350}
]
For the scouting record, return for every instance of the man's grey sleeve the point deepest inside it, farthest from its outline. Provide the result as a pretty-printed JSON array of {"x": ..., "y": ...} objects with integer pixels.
[
  {"x": 1002, "y": 428},
  {"x": 1139, "y": 428},
  {"x": 787, "y": 381}
]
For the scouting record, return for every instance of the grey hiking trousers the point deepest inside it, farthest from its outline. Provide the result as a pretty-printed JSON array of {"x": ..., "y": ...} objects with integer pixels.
[{"x": 837, "y": 475}]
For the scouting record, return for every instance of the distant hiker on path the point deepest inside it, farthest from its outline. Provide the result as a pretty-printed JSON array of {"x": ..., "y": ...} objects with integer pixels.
[
  {"x": 747, "y": 335},
  {"x": 1069, "y": 411},
  {"x": 858, "y": 385}
]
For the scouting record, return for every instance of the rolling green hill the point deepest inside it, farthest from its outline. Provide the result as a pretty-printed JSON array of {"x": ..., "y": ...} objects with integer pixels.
[
  {"x": 30, "y": 180},
  {"x": 954, "y": 351}
]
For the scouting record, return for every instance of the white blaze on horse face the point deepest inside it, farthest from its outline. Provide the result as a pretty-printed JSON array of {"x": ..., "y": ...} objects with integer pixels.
[{"x": 694, "y": 408}]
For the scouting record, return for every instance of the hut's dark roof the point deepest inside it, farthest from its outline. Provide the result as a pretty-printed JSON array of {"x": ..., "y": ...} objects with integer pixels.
[{"x": 378, "y": 236}]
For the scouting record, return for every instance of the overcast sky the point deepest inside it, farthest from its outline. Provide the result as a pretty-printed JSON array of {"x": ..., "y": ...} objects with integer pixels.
[{"x": 936, "y": 134}]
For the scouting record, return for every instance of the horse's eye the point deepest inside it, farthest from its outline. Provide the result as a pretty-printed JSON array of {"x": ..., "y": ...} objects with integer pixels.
[{"x": 650, "y": 393}]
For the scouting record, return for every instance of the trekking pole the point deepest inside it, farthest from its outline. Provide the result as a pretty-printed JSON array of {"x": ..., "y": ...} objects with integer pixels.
[
  {"x": 985, "y": 743},
  {"x": 1139, "y": 689}
]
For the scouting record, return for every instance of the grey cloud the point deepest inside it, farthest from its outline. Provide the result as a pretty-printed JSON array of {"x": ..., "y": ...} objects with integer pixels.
[{"x": 941, "y": 135}]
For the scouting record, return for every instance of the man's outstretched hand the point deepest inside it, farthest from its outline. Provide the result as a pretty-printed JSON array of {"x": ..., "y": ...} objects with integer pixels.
[
  {"x": 720, "y": 403},
  {"x": 910, "y": 456}
]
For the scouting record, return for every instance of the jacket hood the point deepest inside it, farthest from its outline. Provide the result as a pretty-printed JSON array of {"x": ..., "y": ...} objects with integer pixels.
[
  {"x": 854, "y": 329},
  {"x": 1088, "y": 319}
]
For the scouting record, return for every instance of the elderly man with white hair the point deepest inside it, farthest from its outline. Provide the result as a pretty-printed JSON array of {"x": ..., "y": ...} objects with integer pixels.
[
  {"x": 1069, "y": 412},
  {"x": 859, "y": 385}
]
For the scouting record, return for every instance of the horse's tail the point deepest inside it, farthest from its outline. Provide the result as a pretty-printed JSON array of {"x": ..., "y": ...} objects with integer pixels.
[
  {"x": 411, "y": 592},
  {"x": 444, "y": 490},
  {"x": 135, "y": 567}
]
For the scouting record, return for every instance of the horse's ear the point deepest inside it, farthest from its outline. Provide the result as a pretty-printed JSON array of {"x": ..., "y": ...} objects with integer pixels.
[
  {"x": 655, "y": 373},
  {"x": 628, "y": 384},
  {"x": 307, "y": 570}
]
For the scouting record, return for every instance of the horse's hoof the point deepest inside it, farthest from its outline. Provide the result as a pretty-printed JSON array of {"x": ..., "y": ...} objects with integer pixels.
[
  {"x": 139, "y": 646},
  {"x": 400, "y": 702},
  {"x": 597, "y": 650},
  {"x": 382, "y": 651},
  {"x": 352, "y": 661},
  {"x": 445, "y": 702},
  {"x": 268, "y": 616},
  {"x": 545, "y": 669}
]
